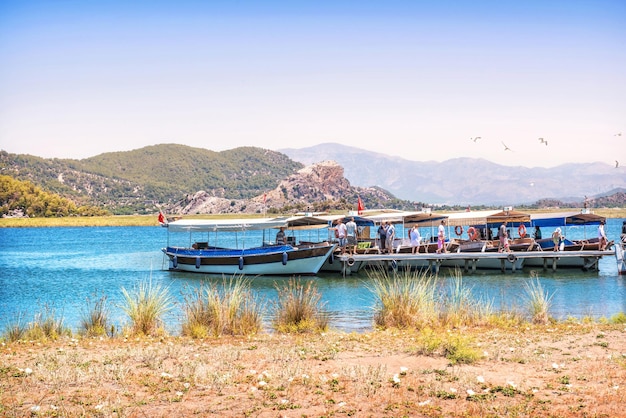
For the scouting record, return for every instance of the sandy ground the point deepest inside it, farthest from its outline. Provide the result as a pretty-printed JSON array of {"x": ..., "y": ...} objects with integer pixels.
[{"x": 563, "y": 370}]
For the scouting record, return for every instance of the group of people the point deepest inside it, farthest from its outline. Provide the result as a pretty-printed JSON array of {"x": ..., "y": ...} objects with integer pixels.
[
  {"x": 386, "y": 234},
  {"x": 346, "y": 235}
]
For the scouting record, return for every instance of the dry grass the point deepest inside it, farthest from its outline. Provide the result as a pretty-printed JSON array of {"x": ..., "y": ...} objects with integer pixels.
[{"x": 564, "y": 370}]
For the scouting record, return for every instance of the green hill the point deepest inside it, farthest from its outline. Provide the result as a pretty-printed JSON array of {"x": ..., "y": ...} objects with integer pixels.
[{"x": 133, "y": 181}]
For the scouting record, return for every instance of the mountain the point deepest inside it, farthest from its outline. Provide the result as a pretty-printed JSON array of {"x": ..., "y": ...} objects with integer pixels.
[
  {"x": 133, "y": 181},
  {"x": 465, "y": 181}
]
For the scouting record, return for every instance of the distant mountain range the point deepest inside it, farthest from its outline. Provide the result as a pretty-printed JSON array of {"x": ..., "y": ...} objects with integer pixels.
[
  {"x": 324, "y": 177},
  {"x": 466, "y": 181}
]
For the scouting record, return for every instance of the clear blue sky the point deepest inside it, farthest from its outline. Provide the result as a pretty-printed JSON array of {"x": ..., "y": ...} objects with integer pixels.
[{"x": 413, "y": 79}]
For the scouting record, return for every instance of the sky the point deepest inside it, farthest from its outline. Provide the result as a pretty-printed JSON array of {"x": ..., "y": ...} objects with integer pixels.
[{"x": 416, "y": 79}]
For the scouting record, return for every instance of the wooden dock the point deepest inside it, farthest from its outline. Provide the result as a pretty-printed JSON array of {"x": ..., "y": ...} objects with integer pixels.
[{"x": 472, "y": 261}]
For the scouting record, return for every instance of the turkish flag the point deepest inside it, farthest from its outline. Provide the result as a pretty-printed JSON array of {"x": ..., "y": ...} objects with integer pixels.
[
  {"x": 360, "y": 208},
  {"x": 161, "y": 218}
]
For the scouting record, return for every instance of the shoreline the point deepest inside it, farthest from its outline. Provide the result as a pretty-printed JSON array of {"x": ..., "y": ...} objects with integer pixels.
[{"x": 151, "y": 220}]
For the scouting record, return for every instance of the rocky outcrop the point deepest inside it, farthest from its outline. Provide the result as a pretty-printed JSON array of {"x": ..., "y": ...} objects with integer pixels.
[{"x": 318, "y": 182}]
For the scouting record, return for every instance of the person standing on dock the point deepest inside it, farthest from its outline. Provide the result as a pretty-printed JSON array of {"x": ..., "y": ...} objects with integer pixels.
[
  {"x": 556, "y": 238},
  {"x": 441, "y": 237},
  {"x": 351, "y": 234},
  {"x": 415, "y": 237},
  {"x": 341, "y": 235},
  {"x": 391, "y": 235},
  {"x": 602, "y": 236},
  {"x": 382, "y": 236},
  {"x": 503, "y": 236}
]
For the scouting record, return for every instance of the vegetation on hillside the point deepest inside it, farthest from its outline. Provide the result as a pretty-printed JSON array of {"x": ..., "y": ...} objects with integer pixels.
[{"x": 23, "y": 198}]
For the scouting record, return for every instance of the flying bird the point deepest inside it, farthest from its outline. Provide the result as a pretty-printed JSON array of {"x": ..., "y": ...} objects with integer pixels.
[
  {"x": 543, "y": 141},
  {"x": 476, "y": 139},
  {"x": 618, "y": 134},
  {"x": 505, "y": 147},
  {"x": 616, "y": 164}
]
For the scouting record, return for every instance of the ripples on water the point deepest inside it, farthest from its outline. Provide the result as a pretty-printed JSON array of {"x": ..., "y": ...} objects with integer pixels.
[{"x": 62, "y": 267}]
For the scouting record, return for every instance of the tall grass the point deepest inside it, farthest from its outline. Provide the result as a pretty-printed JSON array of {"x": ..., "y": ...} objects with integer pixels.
[
  {"x": 95, "y": 320},
  {"x": 299, "y": 308},
  {"x": 229, "y": 310},
  {"x": 145, "y": 306},
  {"x": 405, "y": 299},
  {"x": 15, "y": 330},
  {"x": 538, "y": 300},
  {"x": 46, "y": 325},
  {"x": 460, "y": 307}
]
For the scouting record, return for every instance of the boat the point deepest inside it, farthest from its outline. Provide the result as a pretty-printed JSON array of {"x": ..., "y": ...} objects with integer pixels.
[
  {"x": 587, "y": 247},
  {"x": 620, "y": 251},
  {"x": 202, "y": 252}
]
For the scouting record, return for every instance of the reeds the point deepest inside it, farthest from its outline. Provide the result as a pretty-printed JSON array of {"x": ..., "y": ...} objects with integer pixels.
[
  {"x": 95, "y": 319},
  {"x": 299, "y": 308},
  {"x": 46, "y": 325},
  {"x": 145, "y": 306},
  {"x": 406, "y": 299},
  {"x": 539, "y": 301},
  {"x": 229, "y": 310}
]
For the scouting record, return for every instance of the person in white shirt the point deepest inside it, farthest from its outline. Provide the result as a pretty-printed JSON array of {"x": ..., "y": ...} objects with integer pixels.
[
  {"x": 351, "y": 235},
  {"x": 415, "y": 237}
]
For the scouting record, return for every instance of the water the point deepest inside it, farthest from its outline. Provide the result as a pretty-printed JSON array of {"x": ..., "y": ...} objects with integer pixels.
[{"x": 60, "y": 268}]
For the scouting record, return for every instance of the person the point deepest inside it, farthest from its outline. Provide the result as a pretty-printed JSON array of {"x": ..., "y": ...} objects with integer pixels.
[
  {"x": 391, "y": 235},
  {"x": 280, "y": 236},
  {"x": 382, "y": 235},
  {"x": 537, "y": 234},
  {"x": 556, "y": 238},
  {"x": 503, "y": 236},
  {"x": 441, "y": 237},
  {"x": 415, "y": 237},
  {"x": 602, "y": 236},
  {"x": 341, "y": 233},
  {"x": 623, "y": 236},
  {"x": 351, "y": 235}
]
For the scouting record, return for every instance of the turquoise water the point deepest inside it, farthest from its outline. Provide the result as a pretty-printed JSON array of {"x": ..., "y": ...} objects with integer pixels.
[{"x": 60, "y": 268}]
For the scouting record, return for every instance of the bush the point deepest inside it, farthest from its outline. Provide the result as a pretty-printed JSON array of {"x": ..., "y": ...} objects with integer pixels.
[
  {"x": 145, "y": 306},
  {"x": 299, "y": 308},
  {"x": 231, "y": 310}
]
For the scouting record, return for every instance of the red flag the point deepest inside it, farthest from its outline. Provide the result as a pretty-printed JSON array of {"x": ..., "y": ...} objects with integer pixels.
[
  {"x": 360, "y": 208},
  {"x": 161, "y": 218}
]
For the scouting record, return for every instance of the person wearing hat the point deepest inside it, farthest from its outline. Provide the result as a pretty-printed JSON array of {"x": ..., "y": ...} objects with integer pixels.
[{"x": 556, "y": 238}]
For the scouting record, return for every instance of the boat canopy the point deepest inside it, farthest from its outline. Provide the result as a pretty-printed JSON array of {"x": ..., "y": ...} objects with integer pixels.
[
  {"x": 490, "y": 218},
  {"x": 232, "y": 225},
  {"x": 565, "y": 219}
]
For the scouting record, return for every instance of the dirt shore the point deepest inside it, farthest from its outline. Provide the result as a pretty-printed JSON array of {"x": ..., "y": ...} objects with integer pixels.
[{"x": 562, "y": 370}]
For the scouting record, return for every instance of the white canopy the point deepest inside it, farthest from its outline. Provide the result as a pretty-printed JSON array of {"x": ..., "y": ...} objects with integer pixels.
[{"x": 233, "y": 225}]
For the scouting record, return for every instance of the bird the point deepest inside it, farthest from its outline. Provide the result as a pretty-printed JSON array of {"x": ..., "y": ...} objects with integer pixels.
[
  {"x": 618, "y": 134},
  {"x": 505, "y": 147},
  {"x": 616, "y": 164},
  {"x": 543, "y": 141},
  {"x": 476, "y": 139}
]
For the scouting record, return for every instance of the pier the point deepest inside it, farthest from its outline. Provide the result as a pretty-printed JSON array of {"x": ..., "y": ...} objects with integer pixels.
[{"x": 472, "y": 261}]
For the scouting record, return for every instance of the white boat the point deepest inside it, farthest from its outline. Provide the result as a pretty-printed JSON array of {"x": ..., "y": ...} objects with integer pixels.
[
  {"x": 620, "y": 250},
  {"x": 204, "y": 254},
  {"x": 587, "y": 245}
]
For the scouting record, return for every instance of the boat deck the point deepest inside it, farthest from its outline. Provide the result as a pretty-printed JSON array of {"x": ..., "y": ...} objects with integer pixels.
[{"x": 550, "y": 259}]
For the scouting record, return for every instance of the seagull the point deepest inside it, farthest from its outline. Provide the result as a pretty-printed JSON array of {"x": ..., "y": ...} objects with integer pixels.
[
  {"x": 505, "y": 147},
  {"x": 476, "y": 139},
  {"x": 618, "y": 134},
  {"x": 543, "y": 141},
  {"x": 616, "y": 164}
]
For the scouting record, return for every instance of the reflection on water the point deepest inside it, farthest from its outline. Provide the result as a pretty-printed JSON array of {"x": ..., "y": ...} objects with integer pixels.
[{"x": 62, "y": 267}]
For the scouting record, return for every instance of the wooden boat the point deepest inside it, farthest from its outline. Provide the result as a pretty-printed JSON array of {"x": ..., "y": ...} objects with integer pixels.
[
  {"x": 566, "y": 220},
  {"x": 237, "y": 257}
]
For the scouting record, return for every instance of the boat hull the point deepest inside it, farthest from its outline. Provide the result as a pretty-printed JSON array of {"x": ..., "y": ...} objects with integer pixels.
[{"x": 280, "y": 260}]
